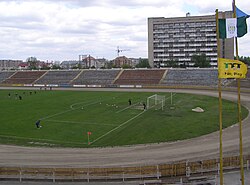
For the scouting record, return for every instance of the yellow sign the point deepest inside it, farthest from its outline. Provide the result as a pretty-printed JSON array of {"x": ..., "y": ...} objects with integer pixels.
[{"x": 231, "y": 68}]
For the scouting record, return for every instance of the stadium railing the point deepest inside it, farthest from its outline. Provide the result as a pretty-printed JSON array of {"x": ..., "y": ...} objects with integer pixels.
[{"x": 187, "y": 170}]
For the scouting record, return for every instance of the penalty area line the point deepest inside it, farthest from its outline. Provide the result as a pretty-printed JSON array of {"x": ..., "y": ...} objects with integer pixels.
[
  {"x": 117, "y": 127},
  {"x": 126, "y": 108},
  {"x": 59, "y": 113},
  {"x": 71, "y": 109},
  {"x": 84, "y": 105},
  {"x": 84, "y": 123}
]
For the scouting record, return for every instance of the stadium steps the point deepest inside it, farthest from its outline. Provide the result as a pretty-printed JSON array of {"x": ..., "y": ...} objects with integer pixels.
[
  {"x": 9, "y": 77},
  {"x": 163, "y": 76},
  {"x": 40, "y": 77},
  {"x": 118, "y": 76},
  {"x": 77, "y": 76}
]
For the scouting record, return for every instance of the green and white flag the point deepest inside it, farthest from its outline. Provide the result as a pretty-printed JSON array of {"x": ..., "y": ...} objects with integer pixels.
[{"x": 232, "y": 27}]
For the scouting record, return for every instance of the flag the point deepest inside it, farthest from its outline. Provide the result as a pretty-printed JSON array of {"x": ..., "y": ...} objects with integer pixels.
[
  {"x": 89, "y": 133},
  {"x": 232, "y": 27},
  {"x": 240, "y": 13},
  {"x": 228, "y": 68}
]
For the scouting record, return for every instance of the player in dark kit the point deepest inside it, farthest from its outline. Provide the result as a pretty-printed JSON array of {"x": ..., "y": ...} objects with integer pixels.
[
  {"x": 38, "y": 124},
  {"x": 129, "y": 102}
]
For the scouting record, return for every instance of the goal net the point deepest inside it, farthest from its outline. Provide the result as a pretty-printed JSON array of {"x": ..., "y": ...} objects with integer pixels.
[{"x": 156, "y": 101}]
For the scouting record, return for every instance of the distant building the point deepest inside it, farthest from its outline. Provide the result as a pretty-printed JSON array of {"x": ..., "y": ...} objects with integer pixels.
[
  {"x": 42, "y": 64},
  {"x": 178, "y": 39},
  {"x": 9, "y": 64},
  {"x": 134, "y": 61},
  {"x": 87, "y": 61},
  {"x": 121, "y": 61},
  {"x": 101, "y": 62},
  {"x": 69, "y": 64},
  {"x": 23, "y": 66},
  {"x": 37, "y": 65}
]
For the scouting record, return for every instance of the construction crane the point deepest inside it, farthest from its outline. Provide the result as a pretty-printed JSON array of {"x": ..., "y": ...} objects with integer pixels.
[{"x": 120, "y": 50}]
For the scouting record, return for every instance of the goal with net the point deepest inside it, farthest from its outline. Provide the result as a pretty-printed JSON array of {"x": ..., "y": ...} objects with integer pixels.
[{"x": 156, "y": 101}]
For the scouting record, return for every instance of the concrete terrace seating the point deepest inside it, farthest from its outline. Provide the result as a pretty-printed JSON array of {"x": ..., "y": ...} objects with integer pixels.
[
  {"x": 244, "y": 83},
  {"x": 96, "y": 77},
  {"x": 4, "y": 75},
  {"x": 140, "y": 77},
  {"x": 24, "y": 77},
  {"x": 191, "y": 77},
  {"x": 165, "y": 77},
  {"x": 58, "y": 77}
]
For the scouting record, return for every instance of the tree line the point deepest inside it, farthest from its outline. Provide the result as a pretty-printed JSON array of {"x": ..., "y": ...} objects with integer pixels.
[
  {"x": 246, "y": 60},
  {"x": 201, "y": 61}
]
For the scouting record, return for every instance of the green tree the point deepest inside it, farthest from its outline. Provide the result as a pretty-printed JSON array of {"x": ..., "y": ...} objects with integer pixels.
[
  {"x": 79, "y": 65},
  {"x": 109, "y": 65},
  {"x": 246, "y": 60},
  {"x": 45, "y": 68},
  {"x": 32, "y": 62},
  {"x": 126, "y": 66},
  {"x": 143, "y": 63},
  {"x": 171, "y": 63},
  {"x": 200, "y": 61},
  {"x": 55, "y": 66}
]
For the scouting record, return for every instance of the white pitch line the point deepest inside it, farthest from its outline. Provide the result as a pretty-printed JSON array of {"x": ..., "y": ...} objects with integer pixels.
[
  {"x": 127, "y": 108},
  {"x": 85, "y": 123},
  {"x": 59, "y": 113},
  {"x": 170, "y": 96},
  {"x": 117, "y": 127},
  {"x": 123, "y": 124},
  {"x": 138, "y": 103},
  {"x": 92, "y": 103}
]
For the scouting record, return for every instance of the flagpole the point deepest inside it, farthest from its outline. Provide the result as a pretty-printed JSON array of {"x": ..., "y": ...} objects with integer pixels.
[
  {"x": 220, "y": 99},
  {"x": 239, "y": 107}
]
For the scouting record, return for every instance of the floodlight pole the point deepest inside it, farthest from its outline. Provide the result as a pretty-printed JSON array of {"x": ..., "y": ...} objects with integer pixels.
[
  {"x": 239, "y": 108},
  {"x": 220, "y": 99}
]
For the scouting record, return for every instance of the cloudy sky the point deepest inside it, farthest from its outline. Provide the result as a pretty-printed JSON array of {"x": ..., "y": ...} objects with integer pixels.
[{"x": 64, "y": 29}]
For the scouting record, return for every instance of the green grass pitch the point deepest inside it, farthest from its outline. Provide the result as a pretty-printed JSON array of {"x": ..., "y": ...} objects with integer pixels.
[{"x": 67, "y": 117}]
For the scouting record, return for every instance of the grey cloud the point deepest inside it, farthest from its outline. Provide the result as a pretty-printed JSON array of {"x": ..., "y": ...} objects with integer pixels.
[
  {"x": 23, "y": 22},
  {"x": 78, "y": 31},
  {"x": 88, "y": 3}
]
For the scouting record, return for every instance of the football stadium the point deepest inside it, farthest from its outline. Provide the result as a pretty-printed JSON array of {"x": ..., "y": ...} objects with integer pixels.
[{"x": 149, "y": 126}]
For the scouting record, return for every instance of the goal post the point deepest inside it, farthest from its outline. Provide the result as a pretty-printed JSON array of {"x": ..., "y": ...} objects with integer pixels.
[{"x": 156, "y": 101}]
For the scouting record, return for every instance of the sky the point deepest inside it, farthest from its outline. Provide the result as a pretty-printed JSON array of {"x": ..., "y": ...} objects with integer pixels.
[{"x": 58, "y": 30}]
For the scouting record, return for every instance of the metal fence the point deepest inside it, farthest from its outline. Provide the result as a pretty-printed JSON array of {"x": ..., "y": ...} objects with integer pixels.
[{"x": 185, "y": 170}]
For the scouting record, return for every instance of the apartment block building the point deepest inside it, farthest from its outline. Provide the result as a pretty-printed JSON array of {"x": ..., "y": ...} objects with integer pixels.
[
  {"x": 9, "y": 64},
  {"x": 178, "y": 39}
]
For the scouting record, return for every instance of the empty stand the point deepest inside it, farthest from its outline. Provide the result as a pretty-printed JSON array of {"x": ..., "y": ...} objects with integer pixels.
[
  {"x": 191, "y": 77},
  {"x": 24, "y": 77},
  {"x": 96, "y": 77},
  {"x": 4, "y": 75},
  {"x": 244, "y": 83},
  {"x": 58, "y": 77},
  {"x": 140, "y": 77},
  {"x": 165, "y": 77}
]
